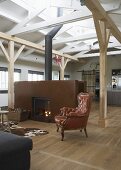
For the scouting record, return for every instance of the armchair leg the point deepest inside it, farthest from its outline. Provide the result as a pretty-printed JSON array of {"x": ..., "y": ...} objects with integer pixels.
[
  {"x": 62, "y": 134},
  {"x": 85, "y": 130},
  {"x": 57, "y": 127}
]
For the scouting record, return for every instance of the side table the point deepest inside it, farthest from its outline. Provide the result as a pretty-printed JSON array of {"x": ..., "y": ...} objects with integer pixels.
[{"x": 4, "y": 122}]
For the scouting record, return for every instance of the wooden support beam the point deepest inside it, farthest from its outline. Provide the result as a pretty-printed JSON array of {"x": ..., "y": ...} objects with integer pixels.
[
  {"x": 62, "y": 65},
  {"x": 19, "y": 52},
  {"x": 96, "y": 9},
  {"x": 11, "y": 75},
  {"x": 12, "y": 58},
  {"x": 103, "y": 35},
  {"x": 32, "y": 45},
  {"x": 21, "y": 41},
  {"x": 62, "y": 69},
  {"x": 4, "y": 51}
]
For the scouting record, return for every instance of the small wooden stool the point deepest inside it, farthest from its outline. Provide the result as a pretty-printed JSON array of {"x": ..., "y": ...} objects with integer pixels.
[{"x": 4, "y": 123}]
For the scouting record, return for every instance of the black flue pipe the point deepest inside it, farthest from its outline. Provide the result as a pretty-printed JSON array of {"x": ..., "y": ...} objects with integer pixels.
[
  {"x": 48, "y": 48},
  {"x": 48, "y": 52}
]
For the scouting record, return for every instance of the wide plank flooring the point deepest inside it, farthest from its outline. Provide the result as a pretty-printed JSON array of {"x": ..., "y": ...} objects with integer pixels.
[{"x": 100, "y": 151}]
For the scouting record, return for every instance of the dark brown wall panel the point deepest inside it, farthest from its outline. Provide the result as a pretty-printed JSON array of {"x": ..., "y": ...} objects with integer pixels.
[{"x": 62, "y": 93}]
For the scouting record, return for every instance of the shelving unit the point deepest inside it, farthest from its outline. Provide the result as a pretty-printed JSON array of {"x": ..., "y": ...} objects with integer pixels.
[{"x": 92, "y": 79}]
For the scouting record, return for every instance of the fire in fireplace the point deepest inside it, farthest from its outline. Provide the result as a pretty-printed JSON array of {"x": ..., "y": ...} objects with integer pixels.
[{"x": 41, "y": 108}]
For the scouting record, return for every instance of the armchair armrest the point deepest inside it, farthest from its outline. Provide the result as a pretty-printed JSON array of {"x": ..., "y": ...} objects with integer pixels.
[
  {"x": 76, "y": 114},
  {"x": 66, "y": 110},
  {"x": 60, "y": 119}
]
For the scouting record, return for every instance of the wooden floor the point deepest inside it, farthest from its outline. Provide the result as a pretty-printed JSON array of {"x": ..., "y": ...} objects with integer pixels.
[{"x": 100, "y": 151}]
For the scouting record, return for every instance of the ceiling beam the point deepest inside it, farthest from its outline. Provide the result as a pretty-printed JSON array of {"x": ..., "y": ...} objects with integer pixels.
[
  {"x": 33, "y": 45},
  {"x": 8, "y": 16},
  {"x": 75, "y": 16},
  {"x": 88, "y": 47},
  {"x": 25, "y": 21},
  {"x": 62, "y": 30},
  {"x": 74, "y": 4},
  {"x": 84, "y": 13},
  {"x": 72, "y": 39},
  {"x": 21, "y": 41},
  {"x": 97, "y": 54},
  {"x": 95, "y": 7}
]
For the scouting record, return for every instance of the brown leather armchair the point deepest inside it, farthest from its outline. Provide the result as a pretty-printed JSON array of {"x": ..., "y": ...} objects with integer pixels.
[{"x": 74, "y": 118}]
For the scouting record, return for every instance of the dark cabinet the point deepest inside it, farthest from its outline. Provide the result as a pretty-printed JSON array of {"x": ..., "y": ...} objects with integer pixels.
[
  {"x": 114, "y": 97},
  {"x": 97, "y": 84}
]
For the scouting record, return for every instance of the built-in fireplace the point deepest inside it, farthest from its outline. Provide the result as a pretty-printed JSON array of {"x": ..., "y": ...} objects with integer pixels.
[{"x": 41, "y": 109}]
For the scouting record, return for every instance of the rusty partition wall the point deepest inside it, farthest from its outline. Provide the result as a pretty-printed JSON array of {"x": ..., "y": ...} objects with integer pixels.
[{"x": 61, "y": 93}]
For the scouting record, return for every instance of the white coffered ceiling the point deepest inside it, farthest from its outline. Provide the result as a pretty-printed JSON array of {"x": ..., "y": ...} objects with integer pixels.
[{"x": 33, "y": 19}]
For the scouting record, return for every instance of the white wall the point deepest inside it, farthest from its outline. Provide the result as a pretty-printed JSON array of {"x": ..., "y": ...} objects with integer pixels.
[{"x": 113, "y": 62}]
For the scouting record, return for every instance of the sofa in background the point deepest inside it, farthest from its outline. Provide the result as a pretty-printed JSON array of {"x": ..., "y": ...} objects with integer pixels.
[{"x": 14, "y": 152}]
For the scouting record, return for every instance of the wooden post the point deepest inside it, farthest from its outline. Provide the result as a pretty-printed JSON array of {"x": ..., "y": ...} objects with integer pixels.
[
  {"x": 11, "y": 75},
  {"x": 11, "y": 58},
  {"x": 62, "y": 68},
  {"x": 63, "y": 64},
  {"x": 103, "y": 35}
]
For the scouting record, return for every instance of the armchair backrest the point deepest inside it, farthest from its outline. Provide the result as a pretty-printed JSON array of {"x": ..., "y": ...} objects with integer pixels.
[{"x": 84, "y": 103}]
